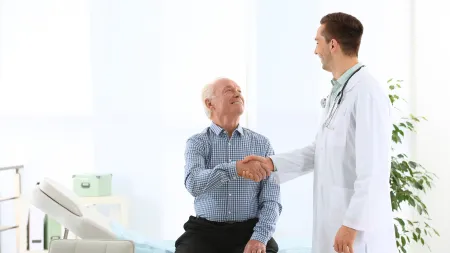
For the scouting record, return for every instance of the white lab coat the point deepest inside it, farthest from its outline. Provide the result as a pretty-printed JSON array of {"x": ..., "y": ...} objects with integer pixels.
[{"x": 351, "y": 164}]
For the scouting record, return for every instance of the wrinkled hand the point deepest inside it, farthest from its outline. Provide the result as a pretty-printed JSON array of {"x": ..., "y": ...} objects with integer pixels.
[
  {"x": 252, "y": 170},
  {"x": 254, "y": 246},
  {"x": 266, "y": 162},
  {"x": 343, "y": 242}
]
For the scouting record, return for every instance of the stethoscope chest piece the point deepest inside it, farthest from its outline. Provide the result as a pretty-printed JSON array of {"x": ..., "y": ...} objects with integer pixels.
[{"x": 323, "y": 102}]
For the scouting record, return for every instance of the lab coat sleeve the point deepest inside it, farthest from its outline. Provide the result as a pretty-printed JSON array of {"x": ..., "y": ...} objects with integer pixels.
[
  {"x": 269, "y": 207},
  {"x": 293, "y": 164},
  {"x": 198, "y": 179},
  {"x": 372, "y": 145}
]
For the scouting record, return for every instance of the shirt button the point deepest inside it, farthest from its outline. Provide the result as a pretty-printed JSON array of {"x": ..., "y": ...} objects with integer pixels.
[
  {"x": 229, "y": 212},
  {"x": 229, "y": 194},
  {"x": 229, "y": 160},
  {"x": 229, "y": 143}
]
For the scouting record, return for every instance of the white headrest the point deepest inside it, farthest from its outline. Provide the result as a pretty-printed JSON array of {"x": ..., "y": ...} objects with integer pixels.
[{"x": 61, "y": 195}]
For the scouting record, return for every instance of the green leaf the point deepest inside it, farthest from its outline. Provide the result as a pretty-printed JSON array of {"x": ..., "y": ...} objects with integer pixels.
[
  {"x": 419, "y": 209},
  {"x": 436, "y": 232},
  {"x": 412, "y": 202},
  {"x": 412, "y": 164},
  {"x": 402, "y": 223},
  {"x": 403, "y": 241}
]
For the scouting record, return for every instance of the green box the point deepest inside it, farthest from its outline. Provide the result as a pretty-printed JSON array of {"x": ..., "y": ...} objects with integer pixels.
[
  {"x": 92, "y": 185},
  {"x": 52, "y": 231}
]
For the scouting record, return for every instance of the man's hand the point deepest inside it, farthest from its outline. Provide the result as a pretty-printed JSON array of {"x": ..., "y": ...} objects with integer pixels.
[
  {"x": 343, "y": 242},
  {"x": 266, "y": 162},
  {"x": 254, "y": 246},
  {"x": 252, "y": 170}
]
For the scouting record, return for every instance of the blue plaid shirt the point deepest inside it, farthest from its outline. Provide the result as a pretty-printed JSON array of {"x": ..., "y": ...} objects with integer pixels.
[{"x": 220, "y": 194}]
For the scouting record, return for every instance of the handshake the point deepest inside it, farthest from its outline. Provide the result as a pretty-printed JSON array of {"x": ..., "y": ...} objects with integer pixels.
[{"x": 255, "y": 168}]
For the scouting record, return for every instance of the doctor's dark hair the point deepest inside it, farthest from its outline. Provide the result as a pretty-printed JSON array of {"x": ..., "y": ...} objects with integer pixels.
[{"x": 344, "y": 28}]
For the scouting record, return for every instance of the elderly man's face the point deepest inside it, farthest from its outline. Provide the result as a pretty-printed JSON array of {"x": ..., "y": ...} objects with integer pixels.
[{"x": 227, "y": 100}]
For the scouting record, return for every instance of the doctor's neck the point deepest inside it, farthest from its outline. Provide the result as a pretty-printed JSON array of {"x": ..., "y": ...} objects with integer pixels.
[{"x": 342, "y": 64}]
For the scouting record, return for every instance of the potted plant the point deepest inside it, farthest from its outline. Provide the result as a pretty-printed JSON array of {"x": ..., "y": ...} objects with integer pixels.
[{"x": 409, "y": 181}]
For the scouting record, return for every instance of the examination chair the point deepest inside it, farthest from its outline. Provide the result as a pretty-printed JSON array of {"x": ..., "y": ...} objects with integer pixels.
[
  {"x": 88, "y": 224},
  {"x": 64, "y": 207}
]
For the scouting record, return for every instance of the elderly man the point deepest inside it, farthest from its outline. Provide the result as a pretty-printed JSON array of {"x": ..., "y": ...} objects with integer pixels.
[{"x": 233, "y": 214}]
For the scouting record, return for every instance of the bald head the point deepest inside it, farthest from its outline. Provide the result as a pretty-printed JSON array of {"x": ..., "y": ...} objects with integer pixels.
[{"x": 223, "y": 96}]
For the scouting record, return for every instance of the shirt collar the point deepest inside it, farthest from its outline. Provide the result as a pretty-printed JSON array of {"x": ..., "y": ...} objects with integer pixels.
[
  {"x": 217, "y": 129},
  {"x": 344, "y": 77}
]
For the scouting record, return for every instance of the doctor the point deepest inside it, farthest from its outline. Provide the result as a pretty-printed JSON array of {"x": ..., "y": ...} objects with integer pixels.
[{"x": 350, "y": 156}]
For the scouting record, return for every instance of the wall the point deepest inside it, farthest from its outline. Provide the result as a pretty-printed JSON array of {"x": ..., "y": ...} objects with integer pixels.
[
  {"x": 45, "y": 94},
  {"x": 431, "y": 93}
]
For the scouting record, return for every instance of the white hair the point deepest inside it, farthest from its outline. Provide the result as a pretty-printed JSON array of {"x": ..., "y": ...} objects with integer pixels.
[{"x": 207, "y": 93}]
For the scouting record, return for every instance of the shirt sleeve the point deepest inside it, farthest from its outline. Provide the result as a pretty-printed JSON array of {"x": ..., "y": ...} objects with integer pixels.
[
  {"x": 270, "y": 207},
  {"x": 198, "y": 179}
]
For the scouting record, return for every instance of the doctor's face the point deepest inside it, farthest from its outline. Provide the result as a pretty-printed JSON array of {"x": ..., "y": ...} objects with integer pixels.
[{"x": 323, "y": 49}]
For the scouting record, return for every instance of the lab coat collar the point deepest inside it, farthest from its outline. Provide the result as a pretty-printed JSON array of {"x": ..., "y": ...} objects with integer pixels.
[{"x": 355, "y": 77}]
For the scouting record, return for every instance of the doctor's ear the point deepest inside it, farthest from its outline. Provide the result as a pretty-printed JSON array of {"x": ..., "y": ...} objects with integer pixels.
[{"x": 333, "y": 44}]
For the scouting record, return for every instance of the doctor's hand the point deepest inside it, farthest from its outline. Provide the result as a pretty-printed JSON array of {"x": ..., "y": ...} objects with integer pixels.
[
  {"x": 252, "y": 170},
  {"x": 343, "y": 242},
  {"x": 266, "y": 162},
  {"x": 254, "y": 246}
]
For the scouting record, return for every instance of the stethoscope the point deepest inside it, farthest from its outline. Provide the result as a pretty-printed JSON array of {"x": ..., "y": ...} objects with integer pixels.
[{"x": 337, "y": 102}]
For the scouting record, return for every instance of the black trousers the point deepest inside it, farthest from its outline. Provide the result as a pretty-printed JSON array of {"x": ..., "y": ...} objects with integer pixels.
[{"x": 203, "y": 236}]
